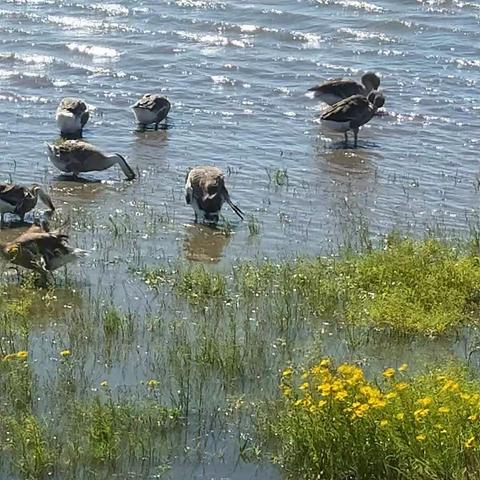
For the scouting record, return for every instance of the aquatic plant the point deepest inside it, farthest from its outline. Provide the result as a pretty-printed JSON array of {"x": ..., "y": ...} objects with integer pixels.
[{"x": 333, "y": 423}]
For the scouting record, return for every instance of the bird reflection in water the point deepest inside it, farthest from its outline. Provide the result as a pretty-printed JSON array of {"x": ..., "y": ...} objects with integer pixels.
[{"x": 204, "y": 244}]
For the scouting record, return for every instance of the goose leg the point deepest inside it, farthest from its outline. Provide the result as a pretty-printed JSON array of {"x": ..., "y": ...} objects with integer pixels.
[
  {"x": 355, "y": 136},
  {"x": 346, "y": 138},
  {"x": 156, "y": 126}
]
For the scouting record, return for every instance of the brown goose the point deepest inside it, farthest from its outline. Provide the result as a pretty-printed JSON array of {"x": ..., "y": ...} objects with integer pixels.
[
  {"x": 72, "y": 115},
  {"x": 352, "y": 113},
  {"x": 40, "y": 250},
  {"x": 19, "y": 200},
  {"x": 205, "y": 191},
  {"x": 335, "y": 90},
  {"x": 151, "y": 109},
  {"x": 76, "y": 156}
]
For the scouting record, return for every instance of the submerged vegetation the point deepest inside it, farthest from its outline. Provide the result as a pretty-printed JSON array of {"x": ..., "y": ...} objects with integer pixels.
[
  {"x": 333, "y": 423},
  {"x": 407, "y": 286},
  {"x": 89, "y": 387}
]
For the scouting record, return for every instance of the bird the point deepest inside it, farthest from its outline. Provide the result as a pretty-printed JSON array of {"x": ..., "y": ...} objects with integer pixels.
[
  {"x": 351, "y": 113},
  {"x": 19, "y": 200},
  {"x": 72, "y": 114},
  {"x": 205, "y": 191},
  {"x": 41, "y": 250},
  {"x": 335, "y": 90},
  {"x": 76, "y": 156},
  {"x": 150, "y": 109}
]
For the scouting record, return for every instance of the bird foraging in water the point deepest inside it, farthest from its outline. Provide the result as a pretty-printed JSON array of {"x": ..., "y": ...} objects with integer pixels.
[
  {"x": 41, "y": 250},
  {"x": 205, "y": 191},
  {"x": 150, "y": 109},
  {"x": 19, "y": 200},
  {"x": 335, "y": 90},
  {"x": 72, "y": 115},
  {"x": 76, "y": 156},
  {"x": 351, "y": 113}
]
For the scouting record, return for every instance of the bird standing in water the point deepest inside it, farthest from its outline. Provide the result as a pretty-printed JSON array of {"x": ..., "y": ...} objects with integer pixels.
[
  {"x": 352, "y": 113},
  {"x": 72, "y": 115},
  {"x": 205, "y": 191},
  {"x": 19, "y": 200},
  {"x": 333, "y": 91},
  {"x": 76, "y": 156},
  {"x": 151, "y": 109},
  {"x": 40, "y": 250}
]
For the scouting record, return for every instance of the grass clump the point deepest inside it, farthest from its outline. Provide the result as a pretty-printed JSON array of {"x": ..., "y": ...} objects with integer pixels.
[
  {"x": 332, "y": 423},
  {"x": 425, "y": 286}
]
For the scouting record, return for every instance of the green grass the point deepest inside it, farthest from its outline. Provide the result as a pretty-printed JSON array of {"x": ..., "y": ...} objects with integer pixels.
[
  {"x": 333, "y": 423},
  {"x": 407, "y": 286}
]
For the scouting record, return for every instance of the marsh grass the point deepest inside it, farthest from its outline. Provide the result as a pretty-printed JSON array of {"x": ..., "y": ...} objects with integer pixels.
[
  {"x": 77, "y": 431},
  {"x": 333, "y": 423},
  {"x": 407, "y": 286}
]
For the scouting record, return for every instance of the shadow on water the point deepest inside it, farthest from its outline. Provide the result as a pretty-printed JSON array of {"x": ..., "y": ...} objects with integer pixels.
[{"x": 204, "y": 244}]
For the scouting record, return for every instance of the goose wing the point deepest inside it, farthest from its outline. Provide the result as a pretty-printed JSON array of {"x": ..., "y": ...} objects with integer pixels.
[
  {"x": 340, "y": 87},
  {"x": 77, "y": 155},
  {"x": 348, "y": 109},
  {"x": 154, "y": 103},
  {"x": 75, "y": 105},
  {"x": 12, "y": 194}
]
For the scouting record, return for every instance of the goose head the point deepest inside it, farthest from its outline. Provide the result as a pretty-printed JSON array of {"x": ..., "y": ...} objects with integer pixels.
[
  {"x": 371, "y": 81},
  {"x": 376, "y": 99},
  {"x": 39, "y": 192}
]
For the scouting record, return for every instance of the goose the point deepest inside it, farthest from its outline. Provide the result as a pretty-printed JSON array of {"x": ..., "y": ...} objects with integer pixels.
[
  {"x": 150, "y": 109},
  {"x": 76, "y": 156},
  {"x": 40, "y": 250},
  {"x": 205, "y": 191},
  {"x": 19, "y": 200},
  {"x": 72, "y": 115},
  {"x": 333, "y": 91},
  {"x": 351, "y": 113}
]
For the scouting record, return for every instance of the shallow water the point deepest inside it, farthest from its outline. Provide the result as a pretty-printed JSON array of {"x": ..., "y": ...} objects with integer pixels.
[{"x": 236, "y": 74}]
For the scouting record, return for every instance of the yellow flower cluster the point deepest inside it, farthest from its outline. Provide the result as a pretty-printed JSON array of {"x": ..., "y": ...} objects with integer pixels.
[
  {"x": 418, "y": 408},
  {"x": 22, "y": 355}
]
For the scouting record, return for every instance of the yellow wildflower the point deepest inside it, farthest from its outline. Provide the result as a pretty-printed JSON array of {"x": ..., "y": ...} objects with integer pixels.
[
  {"x": 384, "y": 423},
  {"x": 152, "y": 383},
  {"x": 65, "y": 353},
  {"x": 22, "y": 355},
  {"x": 473, "y": 418},
  {"x": 421, "y": 438},
  {"x": 325, "y": 389},
  {"x": 341, "y": 395},
  {"x": 321, "y": 403},
  {"x": 401, "y": 386},
  {"x": 287, "y": 372},
  {"x": 361, "y": 410},
  {"x": 389, "y": 373},
  {"x": 377, "y": 402},
  {"x": 424, "y": 402},
  {"x": 450, "y": 386},
  {"x": 470, "y": 443},
  {"x": 443, "y": 410},
  {"x": 421, "y": 413},
  {"x": 287, "y": 391},
  {"x": 403, "y": 367},
  {"x": 391, "y": 395},
  {"x": 104, "y": 383},
  {"x": 298, "y": 402},
  {"x": 325, "y": 362},
  {"x": 465, "y": 396},
  {"x": 304, "y": 386},
  {"x": 400, "y": 416}
]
